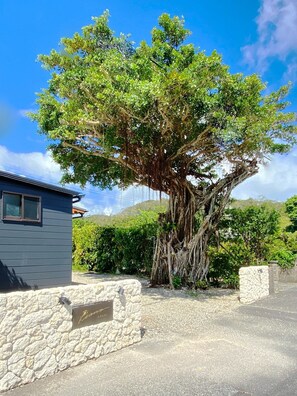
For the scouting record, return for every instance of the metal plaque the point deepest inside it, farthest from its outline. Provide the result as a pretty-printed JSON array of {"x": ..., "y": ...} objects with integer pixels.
[{"x": 90, "y": 314}]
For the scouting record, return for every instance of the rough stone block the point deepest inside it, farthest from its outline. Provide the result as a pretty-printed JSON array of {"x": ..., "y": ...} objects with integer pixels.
[{"x": 253, "y": 283}]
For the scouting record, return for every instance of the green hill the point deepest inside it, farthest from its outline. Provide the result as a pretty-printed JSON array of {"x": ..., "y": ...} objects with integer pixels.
[
  {"x": 160, "y": 207},
  {"x": 130, "y": 213}
]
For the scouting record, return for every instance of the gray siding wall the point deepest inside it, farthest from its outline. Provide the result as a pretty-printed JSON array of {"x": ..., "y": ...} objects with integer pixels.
[{"x": 36, "y": 254}]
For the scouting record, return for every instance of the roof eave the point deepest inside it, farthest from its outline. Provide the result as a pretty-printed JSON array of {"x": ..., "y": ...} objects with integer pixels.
[{"x": 40, "y": 184}]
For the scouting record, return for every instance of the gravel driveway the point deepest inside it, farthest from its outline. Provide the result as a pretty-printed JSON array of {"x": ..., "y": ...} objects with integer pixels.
[{"x": 169, "y": 313}]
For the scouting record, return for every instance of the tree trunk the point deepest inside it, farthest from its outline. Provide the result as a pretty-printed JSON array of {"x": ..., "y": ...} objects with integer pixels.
[
  {"x": 180, "y": 249},
  {"x": 176, "y": 232}
]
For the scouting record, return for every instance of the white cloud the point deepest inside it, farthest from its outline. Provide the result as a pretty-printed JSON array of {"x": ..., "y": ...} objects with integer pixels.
[
  {"x": 277, "y": 36},
  {"x": 107, "y": 211},
  {"x": 40, "y": 166},
  {"x": 291, "y": 72},
  {"x": 277, "y": 180},
  {"x": 91, "y": 205}
]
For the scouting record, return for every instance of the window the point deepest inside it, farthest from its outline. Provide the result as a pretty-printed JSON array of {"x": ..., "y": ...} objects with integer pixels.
[{"x": 21, "y": 207}]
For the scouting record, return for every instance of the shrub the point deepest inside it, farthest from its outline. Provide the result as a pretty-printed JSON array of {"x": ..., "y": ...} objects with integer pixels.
[
  {"x": 224, "y": 265},
  {"x": 134, "y": 248},
  {"x": 232, "y": 281},
  {"x": 283, "y": 250},
  {"x": 86, "y": 237},
  {"x": 289, "y": 241},
  {"x": 128, "y": 249},
  {"x": 284, "y": 257},
  {"x": 176, "y": 282},
  {"x": 201, "y": 284},
  {"x": 252, "y": 229},
  {"x": 291, "y": 210},
  {"x": 246, "y": 236}
]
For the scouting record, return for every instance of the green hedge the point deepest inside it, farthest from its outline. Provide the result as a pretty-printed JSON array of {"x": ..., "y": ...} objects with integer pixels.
[
  {"x": 248, "y": 236},
  {"x": 127, "y": 249}
]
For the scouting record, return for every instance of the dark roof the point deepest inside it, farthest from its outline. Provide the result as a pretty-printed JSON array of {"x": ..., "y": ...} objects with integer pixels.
[{"x": 40, "y": 184}]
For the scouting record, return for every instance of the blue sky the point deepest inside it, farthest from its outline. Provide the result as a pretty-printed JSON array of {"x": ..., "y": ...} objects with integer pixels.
[{"x": 252, "y": 36}]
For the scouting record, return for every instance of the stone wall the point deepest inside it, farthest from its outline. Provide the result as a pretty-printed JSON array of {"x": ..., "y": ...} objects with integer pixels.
[
  {"x": 36, "y": 335},
  {"x": 253, "y": 283}
]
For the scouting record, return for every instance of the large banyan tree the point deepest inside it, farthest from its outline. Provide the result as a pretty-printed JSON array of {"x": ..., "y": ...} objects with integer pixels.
[{"x": 162, "y": 115}]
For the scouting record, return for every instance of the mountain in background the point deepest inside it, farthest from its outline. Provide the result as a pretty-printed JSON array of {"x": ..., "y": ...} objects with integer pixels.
[
  {"x": 152, "y": 206},
  {"x": 155, "y": 207}
]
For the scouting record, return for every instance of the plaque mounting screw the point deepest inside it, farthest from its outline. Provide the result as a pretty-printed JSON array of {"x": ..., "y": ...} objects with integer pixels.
[
  {"x": 64, "y": 300},
  {"x": 121, "y": 291}
]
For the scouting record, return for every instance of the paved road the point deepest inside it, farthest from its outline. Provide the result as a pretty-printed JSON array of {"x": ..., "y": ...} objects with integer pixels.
[{"x": 250, "y": 351}]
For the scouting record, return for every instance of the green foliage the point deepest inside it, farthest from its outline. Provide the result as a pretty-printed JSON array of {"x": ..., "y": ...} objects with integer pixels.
[
  {"x": 250, "y": 235},
  {"x": 279, "y": 207},
  {"x": 232, "y": 281},
  {"x": 201, "y": 284},
  {"x": 128, "y": 249},
  {"x": 252, "y": 230},
  {"x": 106, "y": 248},
  {"x": 176, "y": 282},
  {"x": 86, "y": 237},
  {"x": 118, "y": 115},
  {"x": 284, "y": 257},
  {"x": 246, "y": 236},
  {"x": 289, "y": 240},
  {"x": 291, "y": 210},
  {"x": 283, "y": 250},
  {"x": 225, "y": 263},
  {"x": 133, "y": 252}
]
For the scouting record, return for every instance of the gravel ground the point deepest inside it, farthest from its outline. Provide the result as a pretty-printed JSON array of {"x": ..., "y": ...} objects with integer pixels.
[{"x": 169, "y": 313}]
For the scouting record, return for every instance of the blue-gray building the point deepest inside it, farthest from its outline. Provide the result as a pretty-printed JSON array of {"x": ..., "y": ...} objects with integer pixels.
[{"x": 35, "y": 233}]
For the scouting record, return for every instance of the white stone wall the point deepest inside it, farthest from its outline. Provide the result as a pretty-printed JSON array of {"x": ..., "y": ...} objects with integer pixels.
[
  {"x": 36, "y": 336},
  {"x": 253, "y": 283}
]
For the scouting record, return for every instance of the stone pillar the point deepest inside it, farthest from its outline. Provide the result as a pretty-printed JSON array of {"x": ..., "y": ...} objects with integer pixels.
[
  {"x": 253, "y": 283},
  {"x": 273, "y": 276}
]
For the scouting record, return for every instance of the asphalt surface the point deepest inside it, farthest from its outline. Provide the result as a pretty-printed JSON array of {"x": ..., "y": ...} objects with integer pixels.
[{"x": 249, "y": 351}]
